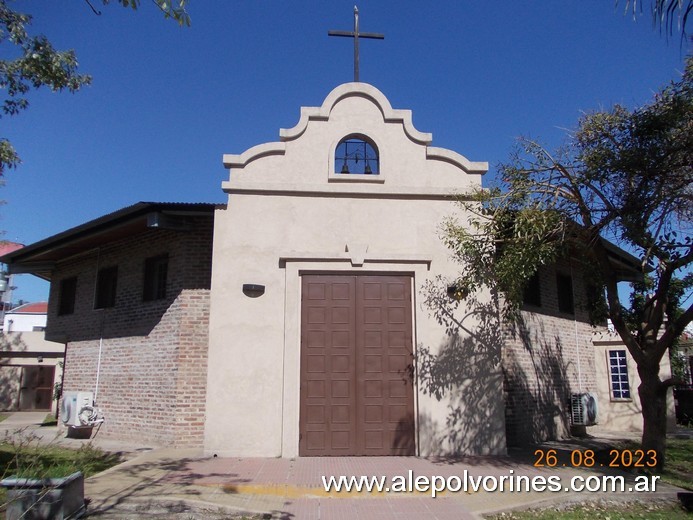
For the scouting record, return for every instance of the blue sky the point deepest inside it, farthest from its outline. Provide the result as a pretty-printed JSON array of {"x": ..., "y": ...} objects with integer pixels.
[{"x": 166, "y": 102}]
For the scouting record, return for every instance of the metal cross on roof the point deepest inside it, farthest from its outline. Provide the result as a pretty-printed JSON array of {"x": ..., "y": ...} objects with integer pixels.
[{"x": 355, "y": 34}]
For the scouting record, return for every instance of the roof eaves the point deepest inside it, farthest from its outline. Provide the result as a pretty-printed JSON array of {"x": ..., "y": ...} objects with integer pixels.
[{"x": 105, "y": 222}]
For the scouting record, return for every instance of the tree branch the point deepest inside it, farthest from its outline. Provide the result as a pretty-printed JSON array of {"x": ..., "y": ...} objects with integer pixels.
[
  {"x": 673, "y": 331},
  {"x": 94, "y": 10}
]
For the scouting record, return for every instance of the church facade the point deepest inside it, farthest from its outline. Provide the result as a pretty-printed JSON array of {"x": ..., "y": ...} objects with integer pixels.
[
  {"x": 340, "y": 222},
  {"x": 310, "y": 314}
]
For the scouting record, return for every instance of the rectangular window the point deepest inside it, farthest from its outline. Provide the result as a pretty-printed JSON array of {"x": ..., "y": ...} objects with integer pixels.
[
  {"x": 564, "y": 286},
  {"x": 532, "y": 294},
  {"x": 106, "y": 283},
  {"x": 155, "y": 274},
  {"x": 67, "y": 295},
  {"x": 618, "y": 370},
  {"x": 596, "y": 304}
]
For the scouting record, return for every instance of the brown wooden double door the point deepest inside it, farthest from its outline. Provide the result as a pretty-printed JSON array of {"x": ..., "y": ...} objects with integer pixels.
[
  {"x": 36, "y": 389},
  {"x": 357, "y": 393}
]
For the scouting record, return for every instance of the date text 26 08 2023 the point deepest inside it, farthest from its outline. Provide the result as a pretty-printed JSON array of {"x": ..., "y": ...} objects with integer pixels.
[{"x": 588, "y": 459}]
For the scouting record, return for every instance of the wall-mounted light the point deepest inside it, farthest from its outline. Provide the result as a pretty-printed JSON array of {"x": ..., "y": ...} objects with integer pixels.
[
  {"x": 253, "y": 290},
  {"x": 457, "y": 292}
]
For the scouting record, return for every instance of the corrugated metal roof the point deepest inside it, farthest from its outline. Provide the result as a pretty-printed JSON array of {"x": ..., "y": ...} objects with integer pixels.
[{"x": 35, "y": 258}]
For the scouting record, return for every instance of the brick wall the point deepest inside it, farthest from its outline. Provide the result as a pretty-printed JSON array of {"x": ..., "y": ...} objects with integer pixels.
[
  {"x": 191, "y": 385},
  {"x": 547, "y": 355},
  {"x": 189, "y": 267},
  {"x": 153, "y": 375}
]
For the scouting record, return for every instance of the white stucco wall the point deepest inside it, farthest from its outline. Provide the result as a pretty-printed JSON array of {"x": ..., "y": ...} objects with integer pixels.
[
  {"x": 14, "y": 322},
  {"x": 288, "y": 214},
  {"x": 623, "y": 415},
  {"x": 33, "y": 343}
]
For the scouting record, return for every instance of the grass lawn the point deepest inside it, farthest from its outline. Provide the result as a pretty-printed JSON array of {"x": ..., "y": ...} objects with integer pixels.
[
  {"x": 599, "y": 511},
  {"x": 678, "y": 472},
  {"x": 679, "y": 467},
  {"x": 53, "y": 461}
]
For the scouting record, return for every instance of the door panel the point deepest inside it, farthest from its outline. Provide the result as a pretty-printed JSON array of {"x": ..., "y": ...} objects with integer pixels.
[
  {"x": 328, "y": 397},
  {"x": 384, "y": 372},
  {"x": 356, "y": 366}
]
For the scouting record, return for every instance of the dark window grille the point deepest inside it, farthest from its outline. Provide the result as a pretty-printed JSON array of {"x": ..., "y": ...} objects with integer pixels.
[
  {"x": 67, "y": 296},
  {"x": 564, "y": 285},
  {"x": 532, "y": 293},
  {"x": 155, "y": 276},
  {"x": 106, "y": 283},
  {"x": 356, "y": 156}
]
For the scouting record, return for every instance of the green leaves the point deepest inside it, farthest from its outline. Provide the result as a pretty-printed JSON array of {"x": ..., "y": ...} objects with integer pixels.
[
  {"x": 37, "y": 64},
  {"x": 643, "y": 161},
  {"x": 8, "y": 157},
  {"x": 623, "y": 176},
  {"x": 666, "y": 14},
  {"x": 175, "y": 10},
  {"x": 502, "y": 245}
]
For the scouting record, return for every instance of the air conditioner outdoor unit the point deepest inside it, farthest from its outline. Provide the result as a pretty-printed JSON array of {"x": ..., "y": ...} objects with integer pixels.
[
  {"x": 584, "y": 408},
  {"x": 77, "y": 408}
]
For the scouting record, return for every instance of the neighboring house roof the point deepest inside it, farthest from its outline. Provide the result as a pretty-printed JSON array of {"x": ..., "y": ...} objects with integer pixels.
[
  {"x": 30, "y": 308},
  {"x": 40, "y": 257},
  {"x": 9, "y": 247}
]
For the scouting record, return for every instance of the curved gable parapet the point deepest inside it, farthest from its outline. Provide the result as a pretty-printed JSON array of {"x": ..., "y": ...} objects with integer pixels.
[
  {"x": 456, "y": 159},
  {"x": 256, "y": 152},
  {"x": 364, "y": 90}
]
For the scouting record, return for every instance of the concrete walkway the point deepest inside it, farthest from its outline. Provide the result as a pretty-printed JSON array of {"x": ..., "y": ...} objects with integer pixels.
[
  {"x": 169, "y": 483},
  {"x": 23, "y": 419},
  {"x": 292, "y": 488},
  {"x": 30, "y": 423}
]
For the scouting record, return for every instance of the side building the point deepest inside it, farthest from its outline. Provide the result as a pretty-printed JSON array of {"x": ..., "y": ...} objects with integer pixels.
[
  {"x": 557, "y": 363},
  {"x": 129, "y": 299},
  {"x": 30, "y": 366}
]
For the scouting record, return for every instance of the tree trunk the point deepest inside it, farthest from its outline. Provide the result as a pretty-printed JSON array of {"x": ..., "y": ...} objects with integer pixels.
[{"x": 653, "y": 399}]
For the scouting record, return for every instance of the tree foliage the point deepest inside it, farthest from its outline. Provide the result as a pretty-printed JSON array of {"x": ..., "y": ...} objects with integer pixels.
[
  {"x": 668, "y": 15},
  {"x": 624, "y": 177},
  {"x": 174, "y": 9},
  {"x": 36, "y": 63}
]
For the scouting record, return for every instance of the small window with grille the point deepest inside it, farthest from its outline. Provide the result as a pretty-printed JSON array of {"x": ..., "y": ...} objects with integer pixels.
[
  {"x": 618, "y": 371},
  {"x": 67, "y": 296},
  {"x": 155, "y": 275},
  {"x": 106, "y": 285},
  {"x": 532, "y": 292},
  {"x": 564, "y": 284},
  {"x": 356, "y": 155}
]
